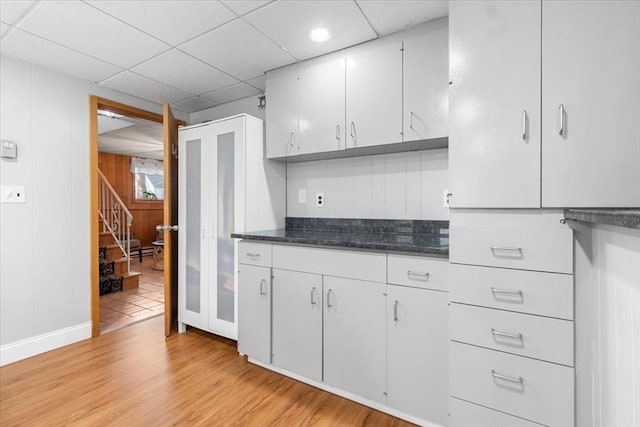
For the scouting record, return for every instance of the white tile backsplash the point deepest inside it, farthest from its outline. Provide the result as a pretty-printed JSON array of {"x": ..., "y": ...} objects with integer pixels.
[{"x": 386, "y": 186}]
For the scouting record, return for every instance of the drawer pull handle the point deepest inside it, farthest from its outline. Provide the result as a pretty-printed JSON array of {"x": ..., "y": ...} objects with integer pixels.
[
  {"x": 252, "y": 255},
  {"x": 313, "y": 301},
  {"x": 329, "y": 292},
  {"x": 505, "y": 291},
  {"x": 506, "y": 378},
  {"x": 506, "y": 335},
  {"x": 395, "y": 311},
  {"x": 413, "y": 274},
  {"x": 506, "y": 248},
  {"x": 263, "y": 287}
]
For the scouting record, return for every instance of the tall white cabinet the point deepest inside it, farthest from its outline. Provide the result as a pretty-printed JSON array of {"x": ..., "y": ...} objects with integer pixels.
[
  {"x": 225, "y": 186},
  {"x": 544, "y": 98}
]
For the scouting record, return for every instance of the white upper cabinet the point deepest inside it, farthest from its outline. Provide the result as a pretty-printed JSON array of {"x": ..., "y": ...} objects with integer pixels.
[
  {"x": 494, "y": 93},
  {"x": 282, "y": 113},
  {"x": 425, "y": 87},
  {"x": 374, "y": 94},
  {"x": 321, "y": 111},
  {"x": 591, "y": 70},
  {"x": 545, "y": 96}
]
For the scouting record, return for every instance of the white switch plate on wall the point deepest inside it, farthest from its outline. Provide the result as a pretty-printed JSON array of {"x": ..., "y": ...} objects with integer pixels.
[
  {"x": 302, "y": 195},
  {"x": 12, "y": 194}
]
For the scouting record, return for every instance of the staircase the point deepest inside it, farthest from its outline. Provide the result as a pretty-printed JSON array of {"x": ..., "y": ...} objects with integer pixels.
[{"x": 115, "y": 236}]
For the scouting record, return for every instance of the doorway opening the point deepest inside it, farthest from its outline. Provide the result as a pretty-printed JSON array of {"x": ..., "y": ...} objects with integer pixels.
[{"x": 128, "y": 201}]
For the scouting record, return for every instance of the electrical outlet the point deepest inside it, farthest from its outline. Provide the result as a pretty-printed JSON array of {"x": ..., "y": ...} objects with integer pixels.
[
  {"x": 446, "y": 195},
  {"x": 320, "y": 201}
]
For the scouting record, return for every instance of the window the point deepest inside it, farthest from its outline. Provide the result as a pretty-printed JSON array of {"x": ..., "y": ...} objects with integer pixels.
[{"x": 148, "y": 179}]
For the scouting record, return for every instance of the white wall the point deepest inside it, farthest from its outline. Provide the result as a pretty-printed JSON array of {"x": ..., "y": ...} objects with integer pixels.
[
  {"x": 247, "y": 105},
  {"x": 44, "y": 243},
  {"x": 391, "y": 186},
  {"x": 607, "y": 325}
]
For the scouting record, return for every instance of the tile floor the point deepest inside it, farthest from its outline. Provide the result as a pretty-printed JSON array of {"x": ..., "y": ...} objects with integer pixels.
[{"x": 121, "y": 309}]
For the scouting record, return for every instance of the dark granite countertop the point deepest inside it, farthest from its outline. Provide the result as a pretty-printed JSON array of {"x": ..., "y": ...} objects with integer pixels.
[
  {"x": 629, "y": 218},
  {"x": 423, "y": 237}
]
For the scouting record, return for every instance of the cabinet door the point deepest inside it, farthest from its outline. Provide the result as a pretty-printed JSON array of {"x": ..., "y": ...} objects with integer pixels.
[
  {"x": 193, "y": 214},
  {"x": 494, "y": 133},
  {"x": 282, "y": 113},
  {"x": 354, "y": 337},
  {"x": 321, "y": 112},
  {"x": 254, "y": 312},
  {"x": 425, "y": 70},
  {"x": 374, "y": 94},
  {"x": 297, "y": 323},
  {"x": 591, "y": 68},
  {"x": 417, "y": 352}
]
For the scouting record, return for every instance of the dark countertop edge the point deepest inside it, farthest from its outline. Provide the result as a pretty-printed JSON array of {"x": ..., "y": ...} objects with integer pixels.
[
  {"x": 628, "y": 218},
  {"x": 379, "y": 247}
]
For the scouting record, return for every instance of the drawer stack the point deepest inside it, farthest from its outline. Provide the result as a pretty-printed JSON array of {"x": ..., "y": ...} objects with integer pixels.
[{"x": 511, "y": 325}]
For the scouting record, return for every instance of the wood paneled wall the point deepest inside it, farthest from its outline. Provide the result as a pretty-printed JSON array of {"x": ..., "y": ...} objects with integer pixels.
[{"x": 146, "y": 213}]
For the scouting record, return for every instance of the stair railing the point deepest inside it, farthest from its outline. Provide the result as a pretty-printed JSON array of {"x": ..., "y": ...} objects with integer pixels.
[{"x": 116, "y": 218}]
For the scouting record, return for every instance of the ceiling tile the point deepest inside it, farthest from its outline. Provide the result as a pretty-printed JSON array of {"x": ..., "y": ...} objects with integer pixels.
[
  {"x": 10, "y": 11},
  {"x": 84, "y": 28},
  {"x": 257, "y": 82},
  {"x": 288, "y": 23},
  {"x": 388, "y": 16},
  {"x": 36, "y": 50},
  {"x": 237, "y": 49},
  {"x": 185, "y": 73},
  {"x": 3, "y": 28},
  {"x": 137, "y": 85},
  {"x": 244, "y": 6},
  {"x": 196, "y": 103},
  {"x": 171, "y": 21},
  {"x": 231, "y": 93}
]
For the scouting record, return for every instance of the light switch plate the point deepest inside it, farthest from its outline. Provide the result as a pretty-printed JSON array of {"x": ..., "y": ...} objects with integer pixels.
[
  {"x": 302, "y": 195},
  {"x": 12, "y": 194}
]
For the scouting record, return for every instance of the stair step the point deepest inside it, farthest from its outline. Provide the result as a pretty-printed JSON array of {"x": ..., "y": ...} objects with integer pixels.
[
  {"x": 130, "y": 280},
  {"x": 113, "y": 252},
  {"x": 105, "y": 238}
]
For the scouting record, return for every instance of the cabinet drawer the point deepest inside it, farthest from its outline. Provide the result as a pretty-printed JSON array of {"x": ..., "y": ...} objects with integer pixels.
[
  {"x": 419, "y": 272},
  {"x": 465, "y": 414},
  {"x": 546, "y": 294},
  {"x": 254, "y": 253},
  {"x": 523, "y": 334},
  {"x": 332, "y": 262},
  {"x": 526, "y": 247},
  {"x": 538, "y": 391}
]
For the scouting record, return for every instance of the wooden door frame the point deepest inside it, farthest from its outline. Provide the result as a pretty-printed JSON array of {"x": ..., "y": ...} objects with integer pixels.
[{"x": 96, "y": 103}]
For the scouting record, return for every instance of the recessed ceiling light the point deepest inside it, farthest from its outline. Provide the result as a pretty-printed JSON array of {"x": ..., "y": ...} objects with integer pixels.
[{"x": 320, "y": 35}]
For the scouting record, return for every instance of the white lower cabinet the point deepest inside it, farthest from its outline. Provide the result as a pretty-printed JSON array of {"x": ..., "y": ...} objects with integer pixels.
[
  {"x": 511, "y": 319},
  {"x": 417, "y": 352},
  {"x": 297, "y": 323},
  {"x": 254, "y": 313},
  {"x": 354, "y": 342},
  {"x": 368, "y": 326}
]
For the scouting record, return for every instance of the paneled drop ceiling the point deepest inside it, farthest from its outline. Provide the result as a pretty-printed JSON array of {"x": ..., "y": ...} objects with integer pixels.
[{"x": 192, "y": 54}]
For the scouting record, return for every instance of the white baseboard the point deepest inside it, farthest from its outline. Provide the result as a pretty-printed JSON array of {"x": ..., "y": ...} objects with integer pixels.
[{"x": 22, "y": 349}]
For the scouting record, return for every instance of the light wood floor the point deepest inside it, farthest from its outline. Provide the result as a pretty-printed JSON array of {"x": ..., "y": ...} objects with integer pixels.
[{"x": 136, "y": 377}]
